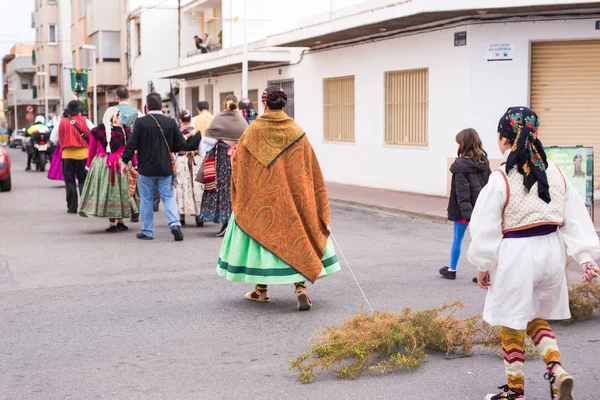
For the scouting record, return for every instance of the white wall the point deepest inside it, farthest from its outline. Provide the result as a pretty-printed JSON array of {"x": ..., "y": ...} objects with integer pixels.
[{"x": 159, "y": 48}]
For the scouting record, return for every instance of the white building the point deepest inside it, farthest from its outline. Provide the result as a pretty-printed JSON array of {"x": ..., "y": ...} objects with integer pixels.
[
  {"x": 383, "y": 87},
  {"x": 150, "y": 45}
]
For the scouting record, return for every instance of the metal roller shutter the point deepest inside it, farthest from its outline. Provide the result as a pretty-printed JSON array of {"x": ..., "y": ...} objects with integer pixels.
[{"x": 565, "y": 93}]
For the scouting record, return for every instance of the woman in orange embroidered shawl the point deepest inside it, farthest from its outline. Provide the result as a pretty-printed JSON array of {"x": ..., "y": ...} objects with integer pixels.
[{"x": 278, "y": 233}]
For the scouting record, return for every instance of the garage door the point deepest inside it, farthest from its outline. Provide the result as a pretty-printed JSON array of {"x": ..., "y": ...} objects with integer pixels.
[{"x": 565, "y": 93}]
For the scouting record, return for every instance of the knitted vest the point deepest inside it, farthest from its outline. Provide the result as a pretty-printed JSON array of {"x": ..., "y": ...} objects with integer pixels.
[
  {"x": 524, "y": 209},
  {"x": 68, "y": 136}
]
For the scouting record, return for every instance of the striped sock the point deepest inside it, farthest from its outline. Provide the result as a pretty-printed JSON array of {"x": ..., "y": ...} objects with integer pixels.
[
  {"x": 544, "y": 340},
  {"x": 513, "y": 350}
]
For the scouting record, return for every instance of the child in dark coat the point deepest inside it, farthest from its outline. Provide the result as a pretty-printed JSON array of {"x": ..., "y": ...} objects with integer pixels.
[{"x": 470, "y": 173}]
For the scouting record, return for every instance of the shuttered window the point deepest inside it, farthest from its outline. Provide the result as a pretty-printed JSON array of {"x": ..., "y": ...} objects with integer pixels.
[
  {"x": 338, "y": 102},
  {"x": 565, "y": 93},
  {"x": 406, "y": 107}
]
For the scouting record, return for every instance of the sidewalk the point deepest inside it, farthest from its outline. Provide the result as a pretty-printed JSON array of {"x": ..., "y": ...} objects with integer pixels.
[{"x": 411, "y": 204}]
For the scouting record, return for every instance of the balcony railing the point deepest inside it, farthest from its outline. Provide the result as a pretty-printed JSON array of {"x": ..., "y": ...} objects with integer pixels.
[{"x": 211, "y": 49}]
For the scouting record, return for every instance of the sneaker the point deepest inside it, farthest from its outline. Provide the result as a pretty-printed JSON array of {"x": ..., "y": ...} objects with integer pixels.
[
  {"x": 260, "y": 296},
  {"x": 304, "y": 303},
  {"x": 135, "y": 217},
  {"x": 446, "y": 273},
  {"x": 506, "y": 394},
  {"x": 141, "y": 236},
  {"x": 176, "y": 231},
  {"x": 561, "y": 383},
  {"x": 121, "y": 227},
  {"x": 112, "y": 229}
]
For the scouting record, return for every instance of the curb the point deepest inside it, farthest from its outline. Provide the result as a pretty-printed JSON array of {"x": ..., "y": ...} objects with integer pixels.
[{"x": 391, "y": 210}]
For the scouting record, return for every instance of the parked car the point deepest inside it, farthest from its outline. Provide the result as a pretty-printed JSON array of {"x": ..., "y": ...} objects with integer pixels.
[
  {"x": 16, "y": 139},
  {"x": 5, "y": 183}
]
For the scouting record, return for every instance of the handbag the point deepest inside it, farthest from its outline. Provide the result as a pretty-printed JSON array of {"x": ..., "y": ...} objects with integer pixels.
[
  {"x": 173, "y": 166},
  {"x": 209, "y": 173}
]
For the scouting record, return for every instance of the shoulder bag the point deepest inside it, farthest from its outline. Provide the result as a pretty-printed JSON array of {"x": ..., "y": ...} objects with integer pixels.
[
  {"x": 173, "y": 166},
  {"x": 83, "y": 136}
]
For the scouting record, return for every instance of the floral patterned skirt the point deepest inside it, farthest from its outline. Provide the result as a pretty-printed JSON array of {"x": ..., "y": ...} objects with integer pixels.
[{"x": 216, "y": 206}]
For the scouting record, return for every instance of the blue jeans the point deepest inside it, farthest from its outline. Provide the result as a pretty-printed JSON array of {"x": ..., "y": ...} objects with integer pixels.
[
  {"x": 146, "y": 185},
  {"x": 459, "y": 234}
]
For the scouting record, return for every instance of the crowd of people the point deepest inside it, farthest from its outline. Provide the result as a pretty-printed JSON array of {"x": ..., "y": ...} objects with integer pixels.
[{"x": 258, "y": 178}]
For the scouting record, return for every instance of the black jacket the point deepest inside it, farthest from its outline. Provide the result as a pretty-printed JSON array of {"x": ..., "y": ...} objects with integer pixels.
[
  {"x": 152, "y": 153},
  {"x": 468, "y": 178}
]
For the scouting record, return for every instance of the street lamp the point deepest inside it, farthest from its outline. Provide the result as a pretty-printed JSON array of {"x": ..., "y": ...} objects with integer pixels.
[
  {"x": 45, "y": 75},
  {"x": 15, "y": 98},
  {"x": 93, "y": 49}
]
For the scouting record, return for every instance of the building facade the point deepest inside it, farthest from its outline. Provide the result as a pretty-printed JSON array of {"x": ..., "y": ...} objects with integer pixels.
[
  {"x": 18, "y": 76},
  {"x": 382, "y": 88}
]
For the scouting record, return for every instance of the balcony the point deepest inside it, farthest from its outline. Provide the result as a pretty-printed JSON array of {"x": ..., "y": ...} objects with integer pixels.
[
  {"x": 109, "y": 74},
  {"x": 199, "y": 17},
  {"x": 24, "y": 97}
]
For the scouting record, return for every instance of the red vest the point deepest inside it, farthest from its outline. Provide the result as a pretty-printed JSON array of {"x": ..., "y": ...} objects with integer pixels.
[{"x": 68, "y": 136}]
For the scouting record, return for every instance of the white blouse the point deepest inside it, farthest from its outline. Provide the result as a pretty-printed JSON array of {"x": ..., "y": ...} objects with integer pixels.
[{"x": 578, "y": 232}]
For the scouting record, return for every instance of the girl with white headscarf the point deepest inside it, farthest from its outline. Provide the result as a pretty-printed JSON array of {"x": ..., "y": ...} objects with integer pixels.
[{"x": 106, "y": 190}]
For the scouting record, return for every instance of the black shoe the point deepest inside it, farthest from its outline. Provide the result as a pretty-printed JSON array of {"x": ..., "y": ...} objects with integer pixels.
[
  {"x": 121, "y": 227},
  {"x": 141, "y": 236},
  {"x": 446, "y": 273},
  {"x": 475, "y": 280},
  {"x": 135, "y": 217},
  {"x": 182, "y": 221},
  {"x": 222, "y": 231},
  {"x": 71, "y": 212},
  {"x": 155, "y": 209},
  {"x": 199, "y": 222},
  {"x": 28, "y": 168},
  {"x": 112, "y": 229},
  {"x": 177, "y": 233}
]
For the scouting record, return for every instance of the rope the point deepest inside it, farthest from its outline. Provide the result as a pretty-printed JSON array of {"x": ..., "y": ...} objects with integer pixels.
[{"x": 352, "y": 272}]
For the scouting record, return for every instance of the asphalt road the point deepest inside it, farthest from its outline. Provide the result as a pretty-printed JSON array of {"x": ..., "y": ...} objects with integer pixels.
[{"x": 90, "y": 315}]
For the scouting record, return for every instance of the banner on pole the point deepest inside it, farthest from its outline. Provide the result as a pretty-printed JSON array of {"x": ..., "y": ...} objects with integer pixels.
[{"x": 79, "y": 80}]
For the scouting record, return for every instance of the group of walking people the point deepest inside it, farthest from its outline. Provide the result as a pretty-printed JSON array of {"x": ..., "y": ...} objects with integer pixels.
[{"x": 259, "y": 179}]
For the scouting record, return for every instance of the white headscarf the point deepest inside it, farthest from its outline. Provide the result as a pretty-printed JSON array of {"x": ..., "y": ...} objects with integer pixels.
[{"x": 107, "y": 121}]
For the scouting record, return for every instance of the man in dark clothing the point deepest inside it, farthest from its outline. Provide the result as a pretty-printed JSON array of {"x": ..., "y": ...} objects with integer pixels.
[{"x": 155, "y": 137}]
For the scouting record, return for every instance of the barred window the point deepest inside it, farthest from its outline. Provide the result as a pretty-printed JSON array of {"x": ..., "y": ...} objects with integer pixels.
[
  {"x": 338, "y": 102},
  {"x": 406, "y": 107}
]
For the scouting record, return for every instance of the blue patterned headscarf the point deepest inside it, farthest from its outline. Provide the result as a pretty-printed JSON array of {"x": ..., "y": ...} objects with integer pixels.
[{"x": 520, "y": 125}]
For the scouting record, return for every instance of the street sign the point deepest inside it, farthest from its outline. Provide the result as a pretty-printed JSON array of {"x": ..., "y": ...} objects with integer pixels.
[
  {"x": 30, "y": 117},
  {"x": 30, "y": 109}
]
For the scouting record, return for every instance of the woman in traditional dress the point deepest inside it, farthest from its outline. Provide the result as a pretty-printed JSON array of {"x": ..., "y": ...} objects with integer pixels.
[
  {"x": 278, "y": 233},
  {"x": 106, "y": 190},
  {"x": 523, "y": 219},
  {"x": 248, "y": 111},
  {"x": 188, "y": 192},
  {"x": 55, "y": 171},
  {"x": 216, "y": 150}
]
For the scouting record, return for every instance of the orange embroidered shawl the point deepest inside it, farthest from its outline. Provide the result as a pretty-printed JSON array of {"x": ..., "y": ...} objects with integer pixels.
[{"x": 278, "y": 193}]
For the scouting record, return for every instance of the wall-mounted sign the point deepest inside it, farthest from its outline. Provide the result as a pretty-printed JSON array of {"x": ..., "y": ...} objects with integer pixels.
[
  {"x": 500, "y": 52},
  {"x": 598, "y": 25},
  {"x": 30, "y": 109},
  {"x": 460, "y": 39}
]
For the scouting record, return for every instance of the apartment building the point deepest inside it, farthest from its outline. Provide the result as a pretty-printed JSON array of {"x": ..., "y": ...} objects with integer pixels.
[
  {"x": 96, "y": 44},
  {"x": 18, "y": 77},
  {"x": 383, "y": 87}
]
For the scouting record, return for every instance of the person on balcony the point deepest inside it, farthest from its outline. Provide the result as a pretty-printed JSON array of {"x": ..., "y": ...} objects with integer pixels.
[
  {"x": 207, "y": 43},
  {"x": 198, "y": 42}
]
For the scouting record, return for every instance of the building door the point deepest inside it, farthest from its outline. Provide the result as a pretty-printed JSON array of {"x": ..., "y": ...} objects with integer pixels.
[
  {"x": 208, "y": 95},
  {"x": 195, "y": 100},
  {"x": 565, "y": 87},
  {"x": 219, "y": 106},
  {"x": 288, "y": 88}
]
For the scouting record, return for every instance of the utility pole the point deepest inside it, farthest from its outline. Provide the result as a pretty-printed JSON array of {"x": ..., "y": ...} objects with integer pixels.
[{"x": 245, "y": 56}]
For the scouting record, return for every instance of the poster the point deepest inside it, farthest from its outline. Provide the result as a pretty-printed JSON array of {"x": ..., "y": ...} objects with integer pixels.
[
  {"x": 500, "y": 52},
  {"x": 577, "y": 164}
]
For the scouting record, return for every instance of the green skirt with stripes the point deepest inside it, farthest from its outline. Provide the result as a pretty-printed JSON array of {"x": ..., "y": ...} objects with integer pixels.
[
  {"x": 242, "y": 259},
  {"x": 101, "y": 199}
]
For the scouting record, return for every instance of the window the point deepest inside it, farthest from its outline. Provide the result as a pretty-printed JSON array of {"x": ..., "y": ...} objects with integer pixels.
[
  {"x": 52, "y": 34},
  {"x": 338, "y": 102},
  {"x": 288, "y": 88},
  {"x": 406, "y": 107},
  {"x": 253, "y": 97},
  {"x": 51, "y": 1},
  {"x": 138, "y": 35},
  {"x": 53, "y": 74},
  {"x": 222, "y": 99}
]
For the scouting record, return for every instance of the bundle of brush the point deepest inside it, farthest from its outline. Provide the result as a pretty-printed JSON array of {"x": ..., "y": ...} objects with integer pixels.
[
  {"x": 386, "y": 341},
  {"x": 584, "y": 300}
]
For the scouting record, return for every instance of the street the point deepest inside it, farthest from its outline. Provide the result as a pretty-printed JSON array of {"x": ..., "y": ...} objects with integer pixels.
[{"x": 90, "y": 315}]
